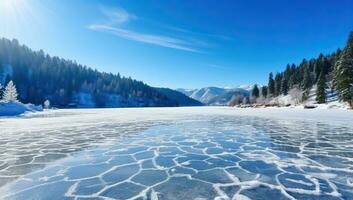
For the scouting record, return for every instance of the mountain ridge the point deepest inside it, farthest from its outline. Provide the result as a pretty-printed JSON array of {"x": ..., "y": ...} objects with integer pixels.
[{"x": 216, "y": 95}]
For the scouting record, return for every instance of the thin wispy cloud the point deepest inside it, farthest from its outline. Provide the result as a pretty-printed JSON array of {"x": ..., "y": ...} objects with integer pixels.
[
  {"x": 117, "y": 17},
  {"x": 217, "y": 36},
  {"x": 145, "y": 38}
]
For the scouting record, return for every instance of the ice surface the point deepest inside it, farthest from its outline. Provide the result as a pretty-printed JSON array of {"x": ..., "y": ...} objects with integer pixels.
[{"x": 178, "y": 153}]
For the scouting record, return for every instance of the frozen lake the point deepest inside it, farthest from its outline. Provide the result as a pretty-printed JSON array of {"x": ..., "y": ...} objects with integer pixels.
[{"x": 178, "y": 153}]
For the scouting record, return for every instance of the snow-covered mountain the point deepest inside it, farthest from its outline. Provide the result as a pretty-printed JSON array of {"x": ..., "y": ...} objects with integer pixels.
[{"x": 216, "y": 95}]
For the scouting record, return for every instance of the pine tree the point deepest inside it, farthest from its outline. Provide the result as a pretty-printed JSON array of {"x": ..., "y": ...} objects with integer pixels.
[
  {"x": 278, "y": 84},
  {"x": 284, "y": 86},
  {"x": 10, "y": 93},
  {"x": 307, "y": 81},
  {"x": 343, "y": 73},
  {"x": 255, "y": 91},
  {"x": 264, "y": 90},
  {"x": 271, "y": 85},
  {"x": 46, "y": 104},
  {"x": 320, "y": 90}
]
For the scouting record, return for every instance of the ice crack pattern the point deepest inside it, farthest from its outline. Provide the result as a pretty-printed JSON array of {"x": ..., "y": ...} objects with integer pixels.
[{"x": 202, "y": 157}]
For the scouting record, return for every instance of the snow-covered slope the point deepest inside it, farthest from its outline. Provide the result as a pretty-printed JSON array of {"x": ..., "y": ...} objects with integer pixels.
[
  {"x": 205, "y": 95},
  {"x": 217, "y": 95},
  {"x": 17, "y": 108},
  {"x": 332, "y": 100}
]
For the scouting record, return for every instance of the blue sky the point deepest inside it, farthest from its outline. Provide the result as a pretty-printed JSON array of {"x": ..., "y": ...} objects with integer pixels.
[{"x": 181, "y": 43}]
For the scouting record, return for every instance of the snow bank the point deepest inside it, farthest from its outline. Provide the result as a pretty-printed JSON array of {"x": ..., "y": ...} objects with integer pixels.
[
  {"x": 17, "y": 108},
  {"x": 332, "y": 101}
]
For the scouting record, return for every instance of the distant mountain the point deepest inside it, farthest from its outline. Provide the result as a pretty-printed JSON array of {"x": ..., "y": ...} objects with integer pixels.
[
  {"x": 179, "y": 97},
  {"x": 217, "y": 95},
  {"x": 226, "y": 97},
  {"x": 187, "y": 92},
  {"x": 205, "y": 95},
  {"x": 247, "y": 87},
  {"x": 65, "y": 83}
]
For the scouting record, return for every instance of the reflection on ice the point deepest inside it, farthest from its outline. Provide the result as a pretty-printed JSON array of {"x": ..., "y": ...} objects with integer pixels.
[{"x": 204, "y": 157}]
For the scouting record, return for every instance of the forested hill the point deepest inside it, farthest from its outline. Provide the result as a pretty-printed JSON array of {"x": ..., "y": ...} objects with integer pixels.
[
  {"x": 332, "y": 72},
  {"x": 39, "y": 77},
  {"x": 303, "y": 75},
  {"x": 179, "y": 97}
]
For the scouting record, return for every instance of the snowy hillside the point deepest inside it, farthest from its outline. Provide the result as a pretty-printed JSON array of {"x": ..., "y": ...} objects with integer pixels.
[
  {"x": 332, "y": 101},
  {"x": 206, "y": 94},
  {"x": 217, "y": 95}
]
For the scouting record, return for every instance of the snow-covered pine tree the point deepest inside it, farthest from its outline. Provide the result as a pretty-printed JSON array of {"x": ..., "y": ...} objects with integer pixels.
[
  {"x": 46, "y": 104},
  {"x": 321, "y": 87},
  {"x": 10, "y": 93},
  {"x": 343, "y": 73},
  {"x": 255, "y": 92}
]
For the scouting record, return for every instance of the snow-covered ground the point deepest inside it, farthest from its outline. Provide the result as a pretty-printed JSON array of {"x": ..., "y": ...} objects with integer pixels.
[
  {"x": 178, "y": 153},
  {"x": 17, "y": 108},
  {"x": 332, "y": 101}
]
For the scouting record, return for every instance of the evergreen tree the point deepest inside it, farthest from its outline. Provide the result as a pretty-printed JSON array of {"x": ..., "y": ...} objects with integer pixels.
[
  {"x": 307, "y": 81},
  {"x": 46, "y": 104},
  {"x": 264, "y": 90},
  {"x": 271, "y": 85},
  {"x": 255, "y": 91},
  {"x": 10, "y": 93},
  {"x": 319, "y": 66},
  {"x": 284, "y": 86},
  {"x": 320, "y": 90},
  {"x": 343, "y": 73},
  {"x": 278, "y": 84}
]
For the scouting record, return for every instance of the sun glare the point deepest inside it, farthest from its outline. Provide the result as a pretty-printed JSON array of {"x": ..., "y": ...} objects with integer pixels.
[
  {"x": 17, "y": 16},
  {"x": 9, "y": 4},
  {"x": 10, "y": 9}
]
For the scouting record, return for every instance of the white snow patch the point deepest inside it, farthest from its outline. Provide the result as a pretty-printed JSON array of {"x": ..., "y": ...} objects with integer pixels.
[
  {"x": 17, "y": 108},
  {"x": 332, "y": 101}
]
